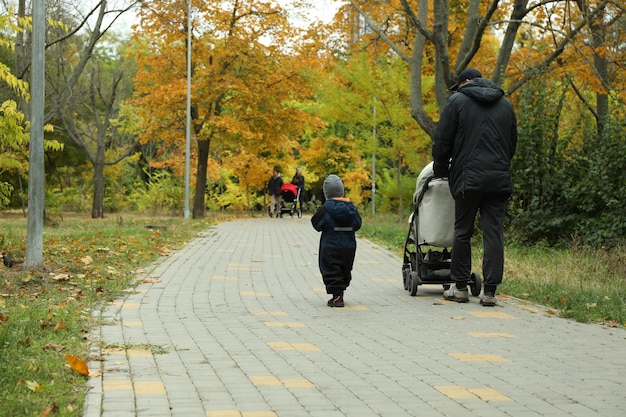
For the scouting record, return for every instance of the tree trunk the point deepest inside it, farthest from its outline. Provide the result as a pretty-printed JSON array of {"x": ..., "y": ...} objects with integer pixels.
[
  {"x": 201, "y": 176},
  {"x": 36, "y": 175},
  {"x": 601, "y": 66},
  {"x": 97, "y": 208}
]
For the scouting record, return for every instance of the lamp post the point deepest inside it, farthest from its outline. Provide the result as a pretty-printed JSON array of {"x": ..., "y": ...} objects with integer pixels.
[{"x": 188, "y": 124}]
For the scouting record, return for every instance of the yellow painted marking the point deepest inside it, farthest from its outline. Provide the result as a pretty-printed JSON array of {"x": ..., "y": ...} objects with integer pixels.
[
  {"x": 385, "y": 280},
  {"x": 234, "y": 265},
  {"x": 149, "y": 387},
  {"x": 225, "y": 277},
  {"x": 529, "y": 308},
  {"x": 114, "y": 351},
  {"x": 319, "y": 289},
  {"x": 125, "y": 305},
  {"x": 297, "y": 383},
  {"x": 258, "y": 414},
  {"x": 301, "y": 347},
  {"x": 470, "y": 357},
  {"x": 489, "y": 395},
  {"x": 132, "y": 323},
  {"x": 223, "y": 413},
  {"x": 265, "y": 380},
  {"x": 492, "y": 315},
  {"x": 283, "y": 324},
  {"x": 305, "y": 347},
  {"x": 255, "y": 294},
  {"x": 280, "y": 346},
  {"x": 268, "y": 313},
  {"x": 490, "y": 334},
  {"x": 123, "y": 385},
  {"x": 453, "y": 391},
  {"x": 138, "y": 353},
  {"x": 356, "y": 308}
]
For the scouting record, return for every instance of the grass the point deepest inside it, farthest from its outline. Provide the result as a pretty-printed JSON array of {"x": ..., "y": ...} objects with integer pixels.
[
  {"x": 583, "y": 284},
  {"x": 46, "y": 314}
]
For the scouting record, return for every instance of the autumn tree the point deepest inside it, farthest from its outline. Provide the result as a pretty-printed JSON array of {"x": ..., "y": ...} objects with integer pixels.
[
  {"x": 371, "y": 98},
  {"x": 246, "y": 80},
  {"x": 443, "y": 38},
  {"x": 87, "y": 86}
]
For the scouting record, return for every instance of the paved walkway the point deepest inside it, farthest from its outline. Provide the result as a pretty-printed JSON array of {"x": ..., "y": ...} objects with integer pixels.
[{"x": 236, "y": 325}]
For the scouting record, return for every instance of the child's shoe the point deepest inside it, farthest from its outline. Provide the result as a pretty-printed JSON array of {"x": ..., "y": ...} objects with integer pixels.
[{"x": 336, "y": 301}]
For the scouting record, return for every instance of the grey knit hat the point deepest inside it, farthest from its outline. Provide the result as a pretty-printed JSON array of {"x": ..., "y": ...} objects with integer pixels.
[{"x": 333, "y": 187}]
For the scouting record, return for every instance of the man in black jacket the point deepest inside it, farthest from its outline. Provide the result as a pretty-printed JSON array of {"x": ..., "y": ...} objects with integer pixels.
[{"x": 473, "y": 146}]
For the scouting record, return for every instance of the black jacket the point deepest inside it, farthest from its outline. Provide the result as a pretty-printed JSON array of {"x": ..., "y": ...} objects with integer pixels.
[
  {"x": 274, "y": 184},
  {"x": 337, "y": 219},
  {"x": 475, "y": 139}
]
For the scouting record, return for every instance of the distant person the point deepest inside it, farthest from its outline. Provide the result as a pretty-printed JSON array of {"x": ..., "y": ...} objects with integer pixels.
[
  {"x": 338, "y": 220},
  {"x": 273, "y": 188},
  {"x": 474, "y": 143},
  {"x": 298, "y": 181}
]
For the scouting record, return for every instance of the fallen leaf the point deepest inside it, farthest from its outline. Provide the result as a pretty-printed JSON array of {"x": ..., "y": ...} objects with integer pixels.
[
  {"x": 87, "y": 260},
  {"x": 52, "y": 408},
  {"x": 77, "y": 364},
  {"x": 34, "y": 386},
  {"x": 60, "y": 277},
  {"x": 551, "y": 312},
  {"x": 55, "y": 346},
  {"x": 60, "y": 325}
]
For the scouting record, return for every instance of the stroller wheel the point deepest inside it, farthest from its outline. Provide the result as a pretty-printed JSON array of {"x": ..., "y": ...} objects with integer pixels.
[
  {"x": 406, "y": 276},
  {"x": 475, "y": 284},
  {"x": 414, "y": 283},
  {"x": 299, "y": 213}
]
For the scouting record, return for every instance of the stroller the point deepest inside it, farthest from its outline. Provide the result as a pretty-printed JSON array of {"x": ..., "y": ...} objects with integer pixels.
[
  {"x": 290, "y": 201},
  {"x": 427, "y": 250}
]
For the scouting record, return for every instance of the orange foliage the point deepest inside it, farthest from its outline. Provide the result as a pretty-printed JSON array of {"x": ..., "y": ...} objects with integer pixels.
[{"x": 244, "y": 80}]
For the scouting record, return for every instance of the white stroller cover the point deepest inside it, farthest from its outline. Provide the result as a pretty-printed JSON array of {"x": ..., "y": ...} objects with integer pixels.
[{"x": 435, "y": 223}]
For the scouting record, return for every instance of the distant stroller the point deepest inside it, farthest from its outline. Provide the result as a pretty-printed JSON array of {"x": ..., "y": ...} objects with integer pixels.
[
  {"x": 427, "y": 250},
  {"x": 290, "y": 202}
]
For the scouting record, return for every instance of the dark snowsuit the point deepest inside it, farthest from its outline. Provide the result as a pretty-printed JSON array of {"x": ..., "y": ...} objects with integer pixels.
[
  {"x": 474, "y": 143},
  {"x": 338, "y": 220}
]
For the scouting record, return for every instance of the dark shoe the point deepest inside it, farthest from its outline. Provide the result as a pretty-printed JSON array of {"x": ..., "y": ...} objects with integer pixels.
[
  {"x": 455, "y": 294},
  {"x": 336, "y": 301},
  {"x": 488, "y": 300}
]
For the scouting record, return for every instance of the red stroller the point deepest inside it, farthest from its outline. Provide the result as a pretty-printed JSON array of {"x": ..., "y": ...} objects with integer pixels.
[{"x": 290, "y": 201}]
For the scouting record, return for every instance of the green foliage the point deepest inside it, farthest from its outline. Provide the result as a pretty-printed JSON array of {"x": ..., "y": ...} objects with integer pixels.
[
  {"x": 568, "y": 184},
  {"x": 69, "y": 199},
  {"x": 163, "y": 194},
  {"x": 13, "y": 144}
]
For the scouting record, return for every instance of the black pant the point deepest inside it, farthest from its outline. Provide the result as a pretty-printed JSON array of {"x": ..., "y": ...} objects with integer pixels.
[
  {"x": 492, "y": 207},
  {"x": 336, "y": 268}
]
